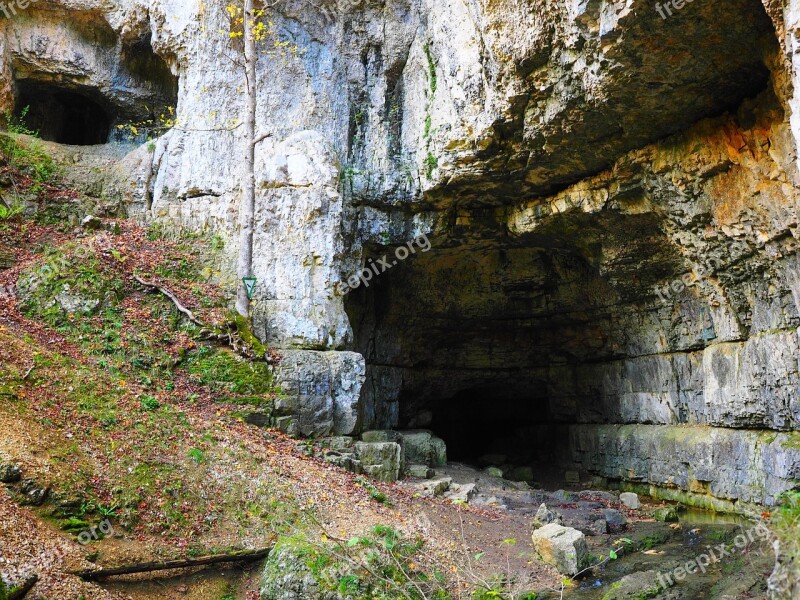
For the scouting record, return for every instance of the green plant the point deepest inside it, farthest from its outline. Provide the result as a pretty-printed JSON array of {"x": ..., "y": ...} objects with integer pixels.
[
  {"x": 16, "y": 124},
  {"x": 431, "y": 69},
  {"x": 785, "y": 525},
  {"x": 12, "y": 211},
  {"x": 374, "y": 492},
  {"x": 197, "y": 455},
  {"x": 431, "y": 163},
  {"x": 149, "y": 403},
  {"x": 151, "y": 128},
  {"x": 30, "y": 157}
]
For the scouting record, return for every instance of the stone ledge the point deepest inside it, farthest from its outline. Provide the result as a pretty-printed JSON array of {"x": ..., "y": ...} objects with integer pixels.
[{"x": 723, "y": 469}]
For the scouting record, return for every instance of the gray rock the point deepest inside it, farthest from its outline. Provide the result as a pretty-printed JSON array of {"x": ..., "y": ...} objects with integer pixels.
[
  {"x": 668, "y": 514},
  {"x": 562, "y": 547},
  {"x": 545, "y": 516},
  {"x": 493, "y": 471},
  {"x": 636, "y": 586},
  {"x": 614, "y": 518},
  {"x": 259, "y": 418},
  {"x": 382, "y": 435},
  {"x": 601, "y": 495},
  {"x": 564, "y": 496},
  {"x": 35, "y": 494},
  {"x": 433, "y": 487},
  {"x": 91, "y": 223},
  {"x": 420, "y": 471},
  {"x": 438, "y": 452},
  {"x": 600, "y": 527},
  {"x": 490, "y": 501},
  {"x": 464, "y": 492},
  {"x": 417, "y": 447},
  {"x": 320, "y": 390},
  {"x": 288, "y": 576},
  {"x": 630, "y": 500},
  {"x": 381, "y": 460},
  {"x": 344, "y": 461},
  {"x": 287, "y": 425},
  {"x": 685, "y": 457},
  {"x": 572, "y": 477},
  {"x": 341, "y": 443},
  {"x": 10, "y": 473}
]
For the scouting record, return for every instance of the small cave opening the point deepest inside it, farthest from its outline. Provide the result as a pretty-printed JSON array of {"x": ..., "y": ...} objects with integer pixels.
[{"x": 62, "y": 115}]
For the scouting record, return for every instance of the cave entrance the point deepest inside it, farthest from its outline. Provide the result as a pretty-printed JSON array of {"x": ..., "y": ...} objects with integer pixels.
[
  {"x": 474, "y": 342},
  {"x": 493, "y": 425},
  {"x": 62, "y": 116}
]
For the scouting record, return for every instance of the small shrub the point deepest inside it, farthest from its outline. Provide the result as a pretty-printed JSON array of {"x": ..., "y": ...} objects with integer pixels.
[
  {"x": 12, "y": 211},
  {"x": 16, "y": 125},
  {"x": 149, "y": 403}
]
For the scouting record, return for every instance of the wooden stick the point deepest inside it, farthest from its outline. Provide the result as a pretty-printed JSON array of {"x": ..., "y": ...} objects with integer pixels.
[
  {"x": 181, "y": 308},
  {"x": 22, "y": 591},
  {"x": 149, "y": 567}
]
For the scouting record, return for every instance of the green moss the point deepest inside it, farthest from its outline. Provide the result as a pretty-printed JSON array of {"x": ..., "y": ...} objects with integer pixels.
[
  {"x": 377, "y": 564},
  {"x": 234, "y": 378},
  {"x": 245, "y": 331},
  {"x": 432, "y": 80},
  {"x": 73, "y": 270},
  {"x": 792, "y": 440},
  {"x": 431, "y": 163}
]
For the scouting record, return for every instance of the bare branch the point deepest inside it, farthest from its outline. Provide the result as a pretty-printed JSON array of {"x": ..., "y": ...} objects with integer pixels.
[{"x": 181, "y": 308}]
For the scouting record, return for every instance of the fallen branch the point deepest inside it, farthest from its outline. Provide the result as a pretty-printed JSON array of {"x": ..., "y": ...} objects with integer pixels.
[
  {"x": 186, "y": 563},
  {"x": 181, "y": 308},
  {"x": 229, "y": 334},
  {"x": 20, "y": 592}
]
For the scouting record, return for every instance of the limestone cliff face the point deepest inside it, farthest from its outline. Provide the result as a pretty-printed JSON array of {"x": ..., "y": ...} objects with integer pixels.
[{"x": 611, "y": 199}]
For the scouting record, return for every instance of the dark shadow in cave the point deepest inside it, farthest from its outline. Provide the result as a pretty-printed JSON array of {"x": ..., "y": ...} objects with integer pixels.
[
  {"x": 484, "y": 426},
  {"x": 63, "y": 116}
]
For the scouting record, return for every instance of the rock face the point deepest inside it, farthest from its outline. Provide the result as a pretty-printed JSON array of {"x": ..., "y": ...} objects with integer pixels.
[
  {"x": 562, "y": 547},
  {"x": 321, "y": 389},
  {"x": 558, "y": 232}
]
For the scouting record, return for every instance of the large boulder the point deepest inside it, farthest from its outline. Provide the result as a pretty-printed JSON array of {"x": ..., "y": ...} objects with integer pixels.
[
  {"x": 423, "y": 448},
  {"x": 381, "y": 460},
  {"x": 630, "y": 500},
  {"x": 562, "y": 547},
  {"x": 636, "y": 586},
  {"x": 320, "y": 390}
]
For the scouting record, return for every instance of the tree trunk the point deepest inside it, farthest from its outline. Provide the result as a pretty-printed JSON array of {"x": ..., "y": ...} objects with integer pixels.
[
  {"x": 20, "y": 592},
  {"x": 167, "y": 565},
  {"x": 248, "y": 202}
]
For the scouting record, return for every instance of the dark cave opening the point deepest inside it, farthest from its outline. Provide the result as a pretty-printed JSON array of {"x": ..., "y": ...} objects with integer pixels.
[
  {"x": 61, "y": 115},
  {"x": 489, "y": 427}
]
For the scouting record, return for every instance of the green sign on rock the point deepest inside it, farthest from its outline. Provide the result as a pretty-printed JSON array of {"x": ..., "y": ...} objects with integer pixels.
[{"x": 249, "y": 286}]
